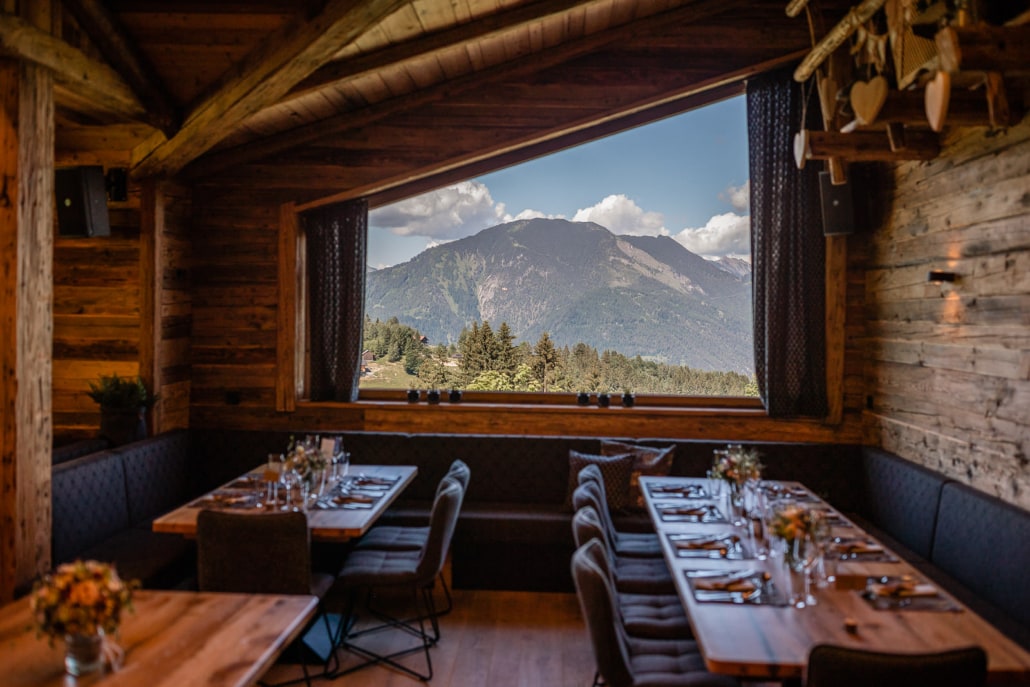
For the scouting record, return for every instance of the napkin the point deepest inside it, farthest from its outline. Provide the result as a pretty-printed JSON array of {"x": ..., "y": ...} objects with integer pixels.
[
  {"x": 903, "y": 589},
  {"x": 707, "y": 544},
  {"x": 725, "y": 585},
  {"x": 858, "y": 546},
  {"x": 353, "y": 498}
]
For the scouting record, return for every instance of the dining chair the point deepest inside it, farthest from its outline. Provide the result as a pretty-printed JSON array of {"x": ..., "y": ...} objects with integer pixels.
[
  {"x": 373, "y": 569},
  {"x": 591, "y": 490},
  {"x": 266, "y": 553},
  {"x": 646, "y": 616},
  {"x": 630, "y": 575},
  {"x": 837, "y": 666},
  {"x": 623, "y": 661},
  {"x": 413, "y": 537}
]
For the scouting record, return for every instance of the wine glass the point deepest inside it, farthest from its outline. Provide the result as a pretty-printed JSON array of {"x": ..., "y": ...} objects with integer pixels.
[{"x": 290, "y": 478}]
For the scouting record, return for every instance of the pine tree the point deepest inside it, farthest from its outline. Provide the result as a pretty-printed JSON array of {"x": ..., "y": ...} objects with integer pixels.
[{"x": 544, "y": 359}]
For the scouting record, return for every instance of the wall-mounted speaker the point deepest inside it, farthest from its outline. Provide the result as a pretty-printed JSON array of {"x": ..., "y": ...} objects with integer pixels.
[
  {"x": 838, "y": 207},
  {"x": 82, "y": 202}
]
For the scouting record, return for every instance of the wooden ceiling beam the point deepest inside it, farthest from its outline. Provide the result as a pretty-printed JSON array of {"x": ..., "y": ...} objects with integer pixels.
[
  {"x": 333, "y": 126},
  {"x": 94, "y": 81},
  {"x": 482, "y": 27},
  {"x": 108, "y": 35},
  {"x": 264, "y": 77}
]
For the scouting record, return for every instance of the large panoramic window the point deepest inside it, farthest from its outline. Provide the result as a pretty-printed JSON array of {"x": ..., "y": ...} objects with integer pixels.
[{"x": 619, "y": 265}]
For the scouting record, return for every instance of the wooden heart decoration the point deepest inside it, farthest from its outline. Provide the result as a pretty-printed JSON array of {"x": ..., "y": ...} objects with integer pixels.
[
  {"x": 867, "y": 98},
  {"x": 936, "y": 99},
  {"x": 800, "y": 147}
]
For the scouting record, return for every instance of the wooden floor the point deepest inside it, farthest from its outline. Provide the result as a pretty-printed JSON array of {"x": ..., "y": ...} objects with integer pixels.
[{"x": 501, "y": 639}]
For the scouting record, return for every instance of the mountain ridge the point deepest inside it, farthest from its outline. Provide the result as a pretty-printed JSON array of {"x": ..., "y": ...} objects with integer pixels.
[{"x": 638, "y": 295}]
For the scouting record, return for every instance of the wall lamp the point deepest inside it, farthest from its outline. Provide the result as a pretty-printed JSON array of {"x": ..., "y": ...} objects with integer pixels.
[{"x": 938, "y": 276}]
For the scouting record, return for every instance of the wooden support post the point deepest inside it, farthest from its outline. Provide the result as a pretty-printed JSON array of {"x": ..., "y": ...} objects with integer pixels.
[
  {"x": 863, "y": 146},
  {"x": 26, "y": 320},
  {"x": 983, "y": 47}
]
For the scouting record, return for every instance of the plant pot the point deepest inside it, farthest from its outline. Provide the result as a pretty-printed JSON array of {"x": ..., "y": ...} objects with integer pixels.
[
  {"x": 123, "y": 426},
  {"x": 433, "y": 396},
  {"x": 604, "y": 400},
  {"x": 628, "y": 400},
  {"x": 412, "y": 395},
  {"x": 455, "y": 396},
  {"x": 583, "y": 398}
]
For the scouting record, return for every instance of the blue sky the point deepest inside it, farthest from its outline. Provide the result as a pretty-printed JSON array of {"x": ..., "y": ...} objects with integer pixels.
[{"x": 685, "y": 177}]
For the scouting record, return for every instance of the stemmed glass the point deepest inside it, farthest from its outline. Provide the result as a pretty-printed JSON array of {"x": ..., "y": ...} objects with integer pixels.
[
  {"x": 290, "y": 478},
  {"x": 271, "y": 478}
]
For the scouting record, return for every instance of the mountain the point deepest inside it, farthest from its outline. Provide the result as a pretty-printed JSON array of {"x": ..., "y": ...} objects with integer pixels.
[{"x": 638, "y": 295}]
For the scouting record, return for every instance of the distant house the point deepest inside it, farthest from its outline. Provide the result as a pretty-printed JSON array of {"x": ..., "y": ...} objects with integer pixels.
[{"x": 367, "y": 357}]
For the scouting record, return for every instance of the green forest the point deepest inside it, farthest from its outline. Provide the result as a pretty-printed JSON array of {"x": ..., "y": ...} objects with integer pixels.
[{"x": 485, "y": 359}]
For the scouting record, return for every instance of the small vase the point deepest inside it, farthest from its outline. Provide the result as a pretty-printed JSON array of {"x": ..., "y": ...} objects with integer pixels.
[
  {"x": 413, "y": 395},
  {"x": 583, "y": 398},
  {"x": 603, "y": 400},
  {"x": 628, "y": 400},
  {"x": 82, "y": 654},
  {"x": 455, "y": 396},
  {"x": 433, "y": 396}
]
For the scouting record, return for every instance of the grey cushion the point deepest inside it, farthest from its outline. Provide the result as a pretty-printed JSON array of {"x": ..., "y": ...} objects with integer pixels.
[
  {"x": 983, "y": 543},
  {"x": 157, "y": 474},
  {"x": 393, "y": 538},
  {"x": 89, "y": 504},
  {"x": 654, "y": 616},
  {"x": 901, "y": 498},
  {"x": 84, "y": 447}
]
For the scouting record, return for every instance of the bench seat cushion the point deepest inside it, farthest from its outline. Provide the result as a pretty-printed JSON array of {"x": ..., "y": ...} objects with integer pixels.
[
  {"x": 157, "y": 474},
  {"x": 902, "y": 499},
  {"x": 158, "y": 560},
  {"x": 981, "y": 541},
  {"x": 89, "y": 504}
]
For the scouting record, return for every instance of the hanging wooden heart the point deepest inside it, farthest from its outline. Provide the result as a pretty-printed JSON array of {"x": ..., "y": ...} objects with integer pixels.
[
  {"x": 867, "y": 98},
  {"x": 936, "y": 99}
]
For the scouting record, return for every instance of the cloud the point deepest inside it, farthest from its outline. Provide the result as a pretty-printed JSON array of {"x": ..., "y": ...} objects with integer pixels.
[
  {"x": 531, "y": 214},
  {"x": 621, "y": 215},
  {"x": 725, "y": 234},
  {"x": 738, "y": 196},
  {"x": 445, "y": 214}
]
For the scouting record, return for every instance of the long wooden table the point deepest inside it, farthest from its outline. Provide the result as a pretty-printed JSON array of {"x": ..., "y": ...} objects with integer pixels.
[
  {"x": 772, "y": 642},
  {"x": 326, "y": 524},
  {"x": 171, "y": 639}
]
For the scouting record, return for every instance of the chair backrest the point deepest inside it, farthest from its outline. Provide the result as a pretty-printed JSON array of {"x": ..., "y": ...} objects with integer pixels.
[
  {"x": 597, "y": 602},
  {"x": 586, "y": 525},
  {"x": 835, "y": 666},
  {"x": 590, "y": 473},
  {"x": 460, "y": 473},
  {"x": 592, "y": 494},
  {"x": 257, "y": 553},
  {"x": 442, "y": 521}
]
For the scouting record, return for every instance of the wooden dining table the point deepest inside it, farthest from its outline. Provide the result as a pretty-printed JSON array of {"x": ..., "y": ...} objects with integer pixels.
[
  {"x": 334, "y": 519},
  {"x": 738, "y": 635},
  {"x": 170, "y": 639}
]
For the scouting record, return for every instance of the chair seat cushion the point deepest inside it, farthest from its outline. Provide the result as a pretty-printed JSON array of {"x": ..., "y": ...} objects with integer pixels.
[
  {"x": 654, "y": 616},
  {"x": 638, "y": 545},
  {"x": 642, "y": 576},
  {"x": 667, "y": 663},
  {"x": 393, "y": 538},
  {"x": 374, "y": 567}
]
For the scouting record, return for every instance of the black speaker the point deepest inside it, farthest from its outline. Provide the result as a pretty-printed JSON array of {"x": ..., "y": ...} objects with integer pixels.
[
  {"x": 82, "y": 202},
  {"x": 838, "y": 208}
]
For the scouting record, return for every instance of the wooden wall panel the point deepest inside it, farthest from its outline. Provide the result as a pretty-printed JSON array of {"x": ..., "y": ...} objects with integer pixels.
[{"x": 948, "y": 372}]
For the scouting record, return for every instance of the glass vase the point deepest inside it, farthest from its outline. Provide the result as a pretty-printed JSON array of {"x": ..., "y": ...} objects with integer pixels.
[{"x": 82, "y": 654}]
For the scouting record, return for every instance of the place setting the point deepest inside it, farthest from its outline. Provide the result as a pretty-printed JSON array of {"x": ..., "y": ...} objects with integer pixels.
[
  {"x": 705, "y": 513},
  {"x": 679, "y": 491},
  {"x": 722, "y": 546},
  {"x": 746, "y": 586},
  {"x": 860, "y": 548},
  {"x": 905, "y": 592}
]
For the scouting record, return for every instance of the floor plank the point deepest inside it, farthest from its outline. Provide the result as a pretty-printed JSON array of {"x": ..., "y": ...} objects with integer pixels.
[{"x": 496, "y": 638}]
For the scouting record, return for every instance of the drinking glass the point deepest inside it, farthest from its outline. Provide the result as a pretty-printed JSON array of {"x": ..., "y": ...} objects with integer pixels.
[
  {"x": 290, "y": 478},
  {"x": 826, "y": 565},
  {"x": 271, "y": 479}
]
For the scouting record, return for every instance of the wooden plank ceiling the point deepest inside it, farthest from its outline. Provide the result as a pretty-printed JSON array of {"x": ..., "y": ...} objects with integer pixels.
[{"x": 312, "y": 101}]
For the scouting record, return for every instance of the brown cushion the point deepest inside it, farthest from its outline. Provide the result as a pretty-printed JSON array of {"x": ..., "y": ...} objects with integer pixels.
[
  {"x": 647, "y": 460},
  {"x": 615, "y": 470}
]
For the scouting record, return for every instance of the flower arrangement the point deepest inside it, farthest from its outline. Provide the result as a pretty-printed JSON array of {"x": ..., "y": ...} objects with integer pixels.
[
  {"x": 307, "y": 459},
  {"x": 80, "y": 598},
  {"x": 737, "y": 464},
  {"x": 791, "y": 522}
]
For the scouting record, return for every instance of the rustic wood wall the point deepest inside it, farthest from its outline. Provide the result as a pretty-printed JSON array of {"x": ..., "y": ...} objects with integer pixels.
[
  {"x": 948, "y": 371},
  {"x": 116, "y": 313},
  {"x": 234, "y": 353}
]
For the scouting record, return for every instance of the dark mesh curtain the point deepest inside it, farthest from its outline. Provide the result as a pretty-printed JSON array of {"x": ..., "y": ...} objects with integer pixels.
[
  {"x": 336, "y": 257},
  {"x": 788, "y": 251}
]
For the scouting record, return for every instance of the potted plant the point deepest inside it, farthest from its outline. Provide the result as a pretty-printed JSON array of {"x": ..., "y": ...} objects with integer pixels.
[{"x": 123, "y": 405}]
